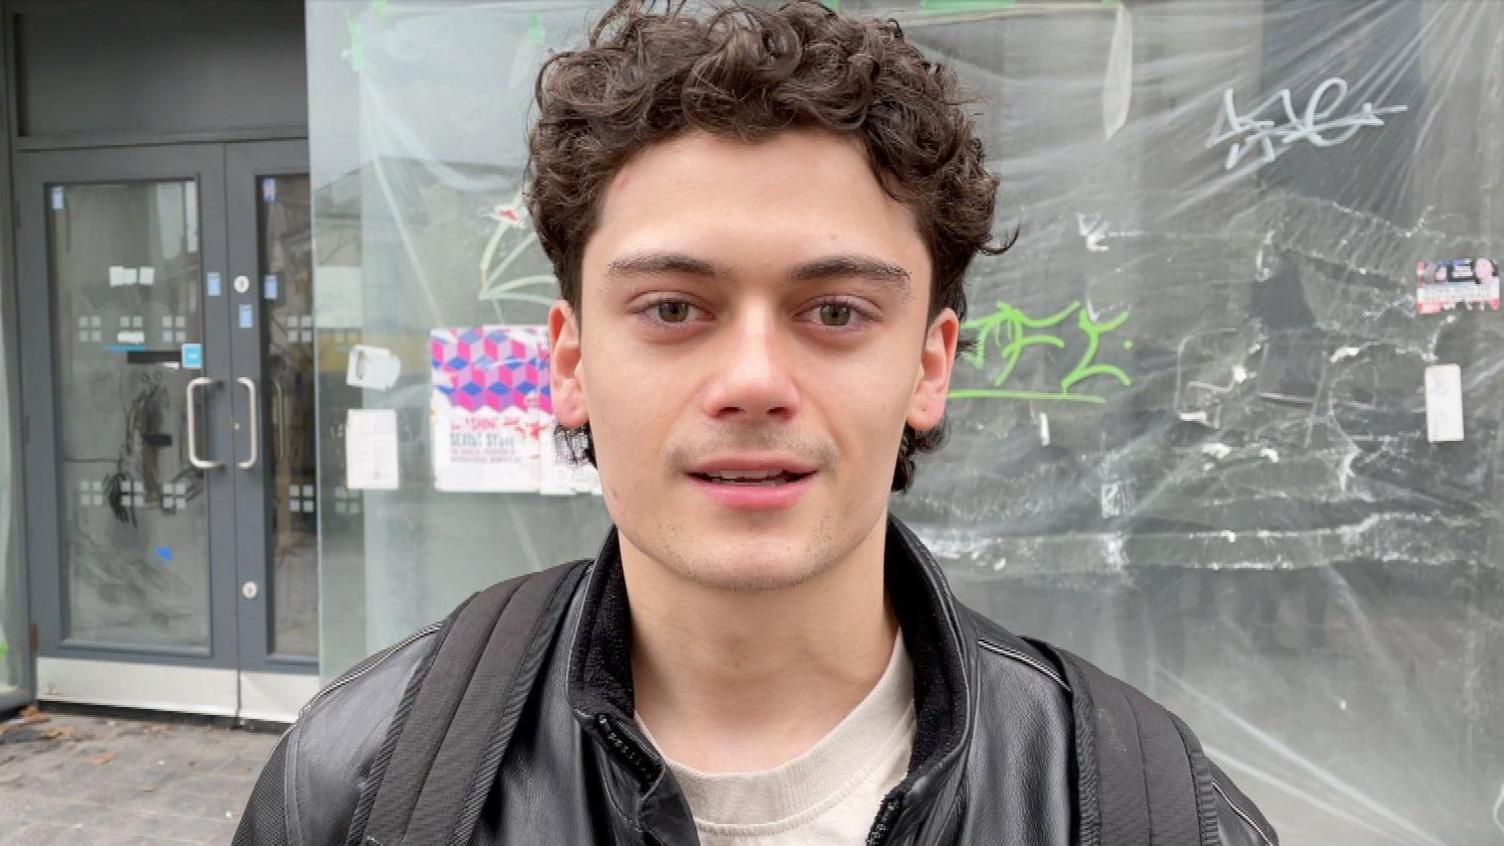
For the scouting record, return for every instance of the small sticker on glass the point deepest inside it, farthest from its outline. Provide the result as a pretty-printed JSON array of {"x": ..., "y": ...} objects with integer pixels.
[
  {"x": 269, "y": 286},
  {"x": 193, "y": 356},
  {"x": 247, "y": 318},
  {"x": 57, "y": 198},
  {"x": 268, "y": 190},
  {"x": 212, "y": 282}
]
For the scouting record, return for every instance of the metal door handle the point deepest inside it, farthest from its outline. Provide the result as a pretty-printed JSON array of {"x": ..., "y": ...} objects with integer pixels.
[
  {"x": 250, "y": 462},
  {"x": 193, "y": 385}
]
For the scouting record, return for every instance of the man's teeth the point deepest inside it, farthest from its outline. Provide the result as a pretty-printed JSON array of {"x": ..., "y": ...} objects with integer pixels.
[{"x": 761, "y": 477}]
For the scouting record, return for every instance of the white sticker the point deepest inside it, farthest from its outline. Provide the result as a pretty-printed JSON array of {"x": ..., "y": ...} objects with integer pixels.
[
  {"x": 1443, "y": 403},
  {"x": 57, "y": 198},
  {"x": 131, "y": 275},
  {"x": 372, "y": 367},
  {"x": 339, "y": 300},
  {"x": 132, "y": 337},
  {"x": 117, "y": 276},
  {"x": 146, "y": 275},
  {"x": 371, "y": 449}
]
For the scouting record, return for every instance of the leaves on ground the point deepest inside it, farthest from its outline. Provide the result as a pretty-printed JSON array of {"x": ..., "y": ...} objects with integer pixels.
[
  {"x": 33, "y": 714},
  {"x": 59, "y": 733}
]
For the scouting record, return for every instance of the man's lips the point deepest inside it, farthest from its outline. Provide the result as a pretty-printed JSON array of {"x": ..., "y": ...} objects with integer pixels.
[
  {"x": 752, "y": 470},
  {"x": 756, "y": 483},
  {"x": 770, "y": 494}
]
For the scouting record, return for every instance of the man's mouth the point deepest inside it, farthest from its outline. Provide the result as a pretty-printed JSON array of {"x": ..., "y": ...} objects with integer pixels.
[{"x": 764, "y": 478}]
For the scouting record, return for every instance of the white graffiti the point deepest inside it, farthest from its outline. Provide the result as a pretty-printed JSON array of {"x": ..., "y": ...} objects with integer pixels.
[
  {"x": 1498, "y": 807},
  {"x": 1317, "y": 124},
  {"x": 1094, "y": 229}
]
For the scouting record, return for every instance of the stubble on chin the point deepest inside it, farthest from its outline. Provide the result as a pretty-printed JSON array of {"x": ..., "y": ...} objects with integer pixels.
[{"x": 735, "y": 564}]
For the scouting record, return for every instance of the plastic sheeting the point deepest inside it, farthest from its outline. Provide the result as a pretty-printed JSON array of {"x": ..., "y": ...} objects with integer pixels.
[{"x": 1193, "y": 443}]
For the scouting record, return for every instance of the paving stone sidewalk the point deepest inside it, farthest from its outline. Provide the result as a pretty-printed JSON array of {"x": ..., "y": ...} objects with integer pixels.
[{"x": 79, "y": 780}]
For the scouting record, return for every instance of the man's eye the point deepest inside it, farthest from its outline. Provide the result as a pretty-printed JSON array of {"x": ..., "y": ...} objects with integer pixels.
[
  {"x": 835, "y": 314},
  {"x": 673, "y": 311}
]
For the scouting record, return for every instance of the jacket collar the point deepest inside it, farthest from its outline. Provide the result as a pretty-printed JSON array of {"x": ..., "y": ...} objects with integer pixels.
[{"x": 601, "y": 692}]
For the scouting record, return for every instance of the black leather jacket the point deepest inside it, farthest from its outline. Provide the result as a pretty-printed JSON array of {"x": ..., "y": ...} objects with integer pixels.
[{"x": 992, "y": 759}]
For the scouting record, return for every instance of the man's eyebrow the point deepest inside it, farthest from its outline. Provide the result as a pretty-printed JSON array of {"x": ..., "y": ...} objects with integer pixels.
[
  {"x": 655, "y": 262},
  {"x": 854, "y": 266}
]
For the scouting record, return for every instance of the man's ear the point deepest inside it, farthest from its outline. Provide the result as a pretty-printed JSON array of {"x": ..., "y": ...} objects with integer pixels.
[
  {"x": 566, "y": 372},
  {"x": 936, "y": 359}
]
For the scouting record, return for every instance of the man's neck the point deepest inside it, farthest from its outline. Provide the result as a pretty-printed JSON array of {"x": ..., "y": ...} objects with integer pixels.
[{"x": 745, "y": 680}]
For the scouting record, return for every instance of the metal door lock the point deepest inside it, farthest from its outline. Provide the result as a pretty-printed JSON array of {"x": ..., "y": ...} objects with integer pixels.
[{"x": 249, "y": 590}]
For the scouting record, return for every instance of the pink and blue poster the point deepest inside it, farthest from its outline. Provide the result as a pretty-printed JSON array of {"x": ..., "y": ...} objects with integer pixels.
[{"x": 490, "y": 410}]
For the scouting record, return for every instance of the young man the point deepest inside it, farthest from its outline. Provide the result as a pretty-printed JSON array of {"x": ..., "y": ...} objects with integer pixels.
[{"x": 760, "y": 221}]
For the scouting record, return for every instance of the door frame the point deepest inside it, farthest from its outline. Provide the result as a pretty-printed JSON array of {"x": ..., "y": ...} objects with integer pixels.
[
  {"x": 245, "y": 164},
  {"x": 125, "y": 672},
  {"x": 12, "y": 554}
]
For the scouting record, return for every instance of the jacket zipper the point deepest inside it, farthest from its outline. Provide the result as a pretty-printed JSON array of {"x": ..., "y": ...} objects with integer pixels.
[
  {"x": 1009, "y": 652},
  {"x": 882, "y": 828},
  {"x": 1240, "y": 812},
  {"x": 639, "y": 762},
  {"x": 390, "y": 650}
]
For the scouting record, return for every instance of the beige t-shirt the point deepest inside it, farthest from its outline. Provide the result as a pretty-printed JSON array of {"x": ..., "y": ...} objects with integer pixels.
[{"x": 827, "y": 795}]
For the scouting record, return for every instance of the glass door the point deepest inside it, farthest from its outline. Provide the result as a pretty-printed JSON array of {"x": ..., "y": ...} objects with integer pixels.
[
  {"x": 271, "y": 249},
  {"x": 127, "y": 429},
  {"x": 166, "y": 308}
]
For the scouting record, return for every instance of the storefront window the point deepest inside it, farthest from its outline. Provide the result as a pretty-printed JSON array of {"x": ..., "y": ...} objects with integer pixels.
[{"x": 1208, "y": 439}]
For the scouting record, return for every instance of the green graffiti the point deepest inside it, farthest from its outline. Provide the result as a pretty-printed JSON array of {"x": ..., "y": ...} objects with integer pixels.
[
  {"x": 833, "y": 5},
  {"x": 535, "y": 31},
  {"x": 1010, "y": 332},
  {"x": 355, "y": 54},
  {"x": 952, "y": 7}
]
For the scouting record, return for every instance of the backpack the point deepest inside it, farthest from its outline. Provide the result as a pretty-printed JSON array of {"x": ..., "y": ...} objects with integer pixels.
[{"x": 1142, "y": 779}]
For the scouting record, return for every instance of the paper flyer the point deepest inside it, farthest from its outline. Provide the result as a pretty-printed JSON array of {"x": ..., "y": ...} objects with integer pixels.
[
  {"x": 491, "y": 414},
  {"x": 1444, "y": 285},
  {"x": 371, "y": 449}
]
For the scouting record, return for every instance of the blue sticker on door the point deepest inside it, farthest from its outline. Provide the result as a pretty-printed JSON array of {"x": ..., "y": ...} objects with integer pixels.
[{"x": 247, "y": 316}]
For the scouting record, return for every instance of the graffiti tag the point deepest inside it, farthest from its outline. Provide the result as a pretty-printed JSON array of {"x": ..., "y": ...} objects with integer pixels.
[
  {"x": 1010, "y": 332},
  {"x": 1316, "y": 124}
]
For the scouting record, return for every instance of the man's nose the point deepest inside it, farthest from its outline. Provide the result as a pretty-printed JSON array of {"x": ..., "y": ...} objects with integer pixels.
[{"x": 752, "y": 375}]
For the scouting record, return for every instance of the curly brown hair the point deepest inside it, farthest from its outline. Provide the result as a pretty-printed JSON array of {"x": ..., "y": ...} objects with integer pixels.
[{"x": 746, "y": 72}]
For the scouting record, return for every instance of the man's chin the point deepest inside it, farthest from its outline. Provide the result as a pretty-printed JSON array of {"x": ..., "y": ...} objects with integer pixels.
[
  {"x": 753, "y": 552},
  {"x": 753, "y": 573}
]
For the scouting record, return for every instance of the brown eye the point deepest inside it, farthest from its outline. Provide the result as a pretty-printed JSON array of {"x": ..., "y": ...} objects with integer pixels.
[
  {"x": 673, "y": 312},
  {"x": 835, "y": 314}
]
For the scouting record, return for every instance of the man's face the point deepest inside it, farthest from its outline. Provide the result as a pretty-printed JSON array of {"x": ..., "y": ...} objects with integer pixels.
[{"x": 754, "y": 338}]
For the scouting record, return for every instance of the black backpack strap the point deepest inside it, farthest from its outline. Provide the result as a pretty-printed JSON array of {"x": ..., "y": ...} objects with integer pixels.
[
  {"x": 441, "y": 753},
  {"x": 1142, "y": 779}
]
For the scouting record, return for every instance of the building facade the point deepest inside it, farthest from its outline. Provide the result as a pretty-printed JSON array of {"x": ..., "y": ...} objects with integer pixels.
[{"x": 274, "y": 398}]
